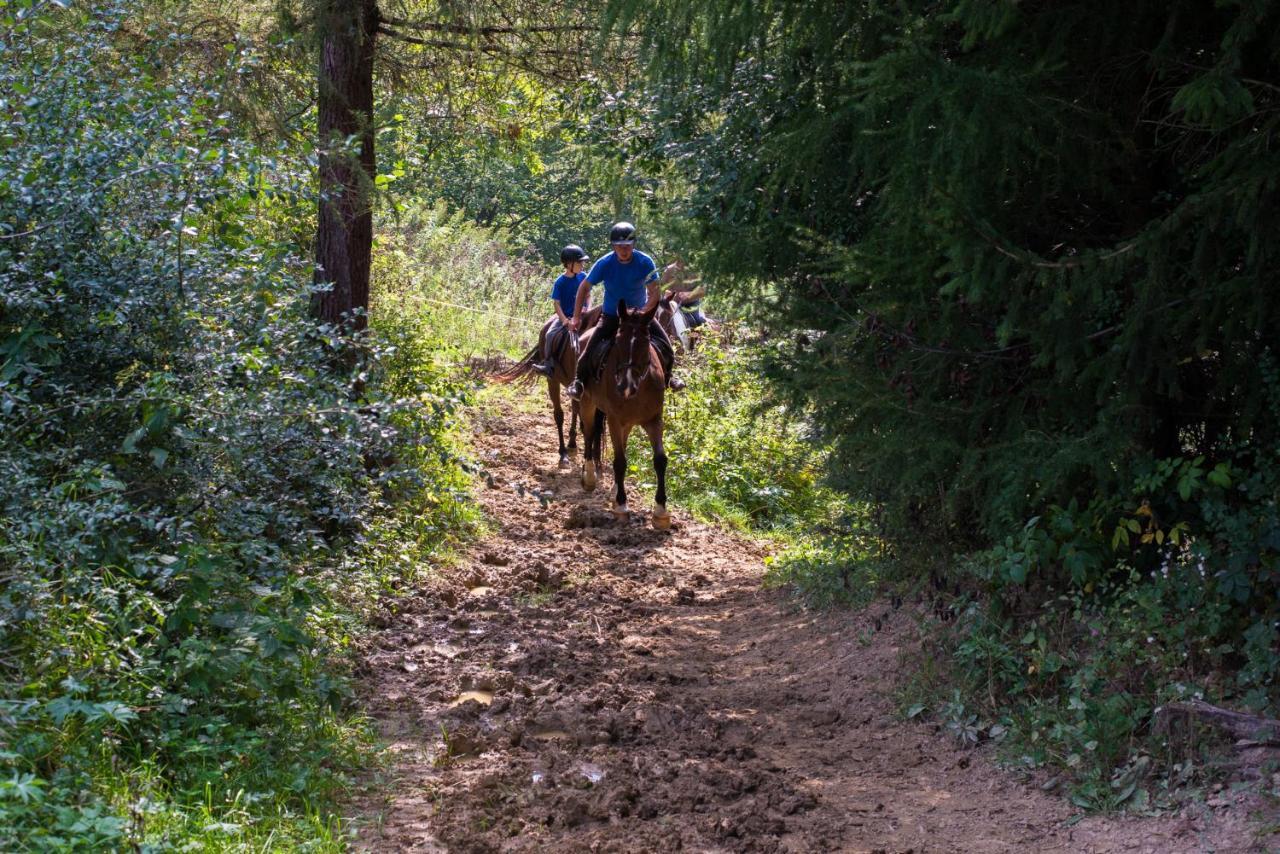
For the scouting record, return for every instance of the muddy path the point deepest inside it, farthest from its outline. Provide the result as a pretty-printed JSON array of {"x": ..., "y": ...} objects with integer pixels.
[{"x": 577, "y": 684}]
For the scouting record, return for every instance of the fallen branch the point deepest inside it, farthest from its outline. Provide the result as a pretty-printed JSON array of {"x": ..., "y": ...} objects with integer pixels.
[{"x": 1249, "y": 730}]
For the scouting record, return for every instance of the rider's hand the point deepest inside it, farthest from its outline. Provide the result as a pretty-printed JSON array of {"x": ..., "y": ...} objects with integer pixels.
[{"x": 574, "y": 324}]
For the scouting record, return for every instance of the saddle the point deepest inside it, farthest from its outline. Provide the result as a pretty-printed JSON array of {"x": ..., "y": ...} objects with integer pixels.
[
  {"x": 560, "y": 339},
  {"x": 600, "y": 356}
]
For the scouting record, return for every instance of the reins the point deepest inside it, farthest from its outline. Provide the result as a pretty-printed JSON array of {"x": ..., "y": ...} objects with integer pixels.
[{"x": 639, "y": 331}]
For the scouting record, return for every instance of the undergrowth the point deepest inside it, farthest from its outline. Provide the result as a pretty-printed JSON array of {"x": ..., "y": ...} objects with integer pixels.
[
  {"x": 1167, "y": 599},
  {"x": 203, "y": 492},
  {"x": 437, "y": 271}
]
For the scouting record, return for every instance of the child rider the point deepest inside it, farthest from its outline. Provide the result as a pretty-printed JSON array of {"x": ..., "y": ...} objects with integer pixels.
[{"x": 563, "y": 294}]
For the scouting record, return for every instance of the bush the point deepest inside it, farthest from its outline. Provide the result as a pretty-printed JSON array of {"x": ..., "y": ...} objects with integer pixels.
[
  {"x": 459, "y": 285},
  {"x": 737, "y": 456},
  {"x": 1170, "y": 594},
  {"x": 191, "y": 483}
]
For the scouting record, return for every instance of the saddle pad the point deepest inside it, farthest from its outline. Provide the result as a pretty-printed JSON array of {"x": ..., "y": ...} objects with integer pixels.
[{"x": 682, "y": 328}]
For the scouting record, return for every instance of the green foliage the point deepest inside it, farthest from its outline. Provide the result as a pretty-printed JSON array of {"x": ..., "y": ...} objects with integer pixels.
[
  {"x": 193, "y": 481},
  {"x": 1016, "y": 259},
  {"x": 838, "y": 564},
  {"x": 443, "y": 279},
  {"x": 736, "y": 456},
  {"x": 994, "y": 239},
  {"x": 1169, "y": 597},
  {"x": 536, "y": 188}
]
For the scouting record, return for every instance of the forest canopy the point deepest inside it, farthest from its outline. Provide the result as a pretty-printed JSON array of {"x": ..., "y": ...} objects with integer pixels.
[{"x": 1012, "y": 263}]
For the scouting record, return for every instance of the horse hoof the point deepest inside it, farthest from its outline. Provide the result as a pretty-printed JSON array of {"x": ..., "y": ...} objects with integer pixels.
[
  {"x": 564, "y": 461},
  {"x": 588, "y": 479},
  {"x": 621, "y": 513},
  {"x": 661, "y": 519}
]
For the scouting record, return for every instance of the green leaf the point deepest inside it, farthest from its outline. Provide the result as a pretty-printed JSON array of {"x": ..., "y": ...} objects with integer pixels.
[{"x": 130, "y": 443}]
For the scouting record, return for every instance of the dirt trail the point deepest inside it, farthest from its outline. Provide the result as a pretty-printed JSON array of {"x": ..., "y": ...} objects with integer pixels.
[{"x": 577, "y": 684}]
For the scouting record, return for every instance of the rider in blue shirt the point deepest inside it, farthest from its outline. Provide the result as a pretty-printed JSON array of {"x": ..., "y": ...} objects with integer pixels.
[
  {"x": 564, "y": 293},
  {"x": 627, "y": 275}
]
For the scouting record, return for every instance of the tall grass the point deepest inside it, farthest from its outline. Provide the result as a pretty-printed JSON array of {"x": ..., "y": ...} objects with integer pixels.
[{"x": 440, "y": 276}]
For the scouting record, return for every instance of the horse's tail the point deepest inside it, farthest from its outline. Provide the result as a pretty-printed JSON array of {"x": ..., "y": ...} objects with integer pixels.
[{"x": 521, "y": 370}]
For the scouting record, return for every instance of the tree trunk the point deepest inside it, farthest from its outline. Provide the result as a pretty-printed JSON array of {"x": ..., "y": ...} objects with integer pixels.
[
  {"x": 344, "y": 235},
  {"x": 1251, "y": 730}
]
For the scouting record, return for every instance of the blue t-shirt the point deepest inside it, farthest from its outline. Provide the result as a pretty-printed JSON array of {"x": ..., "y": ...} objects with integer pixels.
[
  {"x": 565, "y": 291},
  {"x": 623, "y": 281}
]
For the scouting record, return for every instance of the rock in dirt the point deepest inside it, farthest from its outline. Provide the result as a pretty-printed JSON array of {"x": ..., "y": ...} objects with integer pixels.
[
  {"x": 583, "y": 516},
  {"x": 637, "y": 644},
  {"x": 463, "y": 742}
]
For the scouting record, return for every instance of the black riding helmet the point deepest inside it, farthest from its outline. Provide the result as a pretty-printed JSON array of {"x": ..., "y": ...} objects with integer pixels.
[
  {"x": 573, "y": 252},
  {"x": 622, "y": 232}
]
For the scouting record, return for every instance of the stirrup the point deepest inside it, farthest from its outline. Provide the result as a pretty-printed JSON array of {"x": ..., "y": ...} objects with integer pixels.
[{"x": 574, "y": 390}]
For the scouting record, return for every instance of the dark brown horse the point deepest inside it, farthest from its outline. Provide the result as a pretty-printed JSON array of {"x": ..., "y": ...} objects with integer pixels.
[
  {"x": 628, "y": 392},
  {"x": 565, "y": 361}
]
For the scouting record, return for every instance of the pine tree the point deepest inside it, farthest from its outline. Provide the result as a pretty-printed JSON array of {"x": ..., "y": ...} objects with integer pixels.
[{"x": 1015, "y": 247}]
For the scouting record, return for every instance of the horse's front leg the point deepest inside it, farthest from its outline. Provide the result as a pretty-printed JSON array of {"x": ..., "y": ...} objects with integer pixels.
[
  {"x": 591, "y": 426},
  {"x": 553, "y": 390},
  {"x": 573, "y": 424},
  {"x": 661, "y": 518},
  {"x": 618, "y": 434},
  {"x": 597, "y": 442}
]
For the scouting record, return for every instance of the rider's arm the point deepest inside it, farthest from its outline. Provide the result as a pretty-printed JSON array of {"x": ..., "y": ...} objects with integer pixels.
[
  {"x": 564, "y": 321},
  {"x": 654, "y": 292},
  {"x": 584, "y": 296},
  {"x": 696, "y": 294}
]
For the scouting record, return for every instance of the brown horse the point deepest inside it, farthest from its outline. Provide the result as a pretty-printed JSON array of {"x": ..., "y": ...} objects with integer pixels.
[
  {"x": 565, "y": 362},
  {"x": 627, "y": 393}
]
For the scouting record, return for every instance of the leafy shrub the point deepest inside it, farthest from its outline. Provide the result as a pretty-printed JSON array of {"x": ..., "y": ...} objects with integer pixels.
[
  {"x": 191, "y": 483},
  {"x": 734, "y": 454},
  {"x": 1170, "y": 593},
  {"x": 844, "y": 563},
  {"x": 459, "y": 285}
]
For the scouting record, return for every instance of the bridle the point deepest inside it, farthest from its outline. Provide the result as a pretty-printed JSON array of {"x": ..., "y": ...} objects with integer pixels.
[{"x": 637, "y": 362}]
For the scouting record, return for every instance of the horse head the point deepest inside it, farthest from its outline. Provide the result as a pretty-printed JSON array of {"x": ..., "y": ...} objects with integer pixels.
[
  {"x": 632, "y": 345},
  {"x": 668, "y": 305}
]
